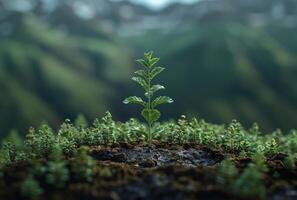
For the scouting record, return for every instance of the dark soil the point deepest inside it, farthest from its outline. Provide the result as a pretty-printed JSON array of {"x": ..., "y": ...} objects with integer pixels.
[
  {"x": 157, "y": 155},
  {"x": 160, "y": 171}
]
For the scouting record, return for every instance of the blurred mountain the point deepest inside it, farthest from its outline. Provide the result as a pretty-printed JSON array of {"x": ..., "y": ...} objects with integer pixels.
[
  {"x": 178, "y": 17},
  {"x": 232, "y": 71},
  {"x": 225, "y": 58},
  {"x": 48, "y": 73},
  {"x": 230, "y": 60}
]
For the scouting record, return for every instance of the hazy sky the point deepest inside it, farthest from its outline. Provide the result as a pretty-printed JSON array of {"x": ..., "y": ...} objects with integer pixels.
[{"x": 161, "y": 3}]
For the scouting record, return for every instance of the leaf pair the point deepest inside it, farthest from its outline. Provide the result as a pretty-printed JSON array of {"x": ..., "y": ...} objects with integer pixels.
[
  {"x": 161, "y": 100},
  {"x": 135, "y": 100},
  {"x": 151, "y": 115}
]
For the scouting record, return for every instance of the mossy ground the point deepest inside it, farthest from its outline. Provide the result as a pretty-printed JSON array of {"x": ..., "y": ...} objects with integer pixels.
[
  {"x": 112, "y": 160},
  {"x": 139, "y": 171}
]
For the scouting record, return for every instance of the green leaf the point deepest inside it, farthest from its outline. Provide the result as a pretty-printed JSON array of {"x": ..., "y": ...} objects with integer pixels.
[
  {"x": 142, "y": 73},
  {"x": 134, "y": 100},
  {"x": 141, "y": 82},
  {"x": 161, "y": 100},
  {"x": 155, "y": 71},
  {"x": 149, "y": 55},
  {"x": 143, "y": 63},
  {"x": 153, "y": 61},
  {"x": 156, "y": 88},
  {"x": 151, "y": 115}
]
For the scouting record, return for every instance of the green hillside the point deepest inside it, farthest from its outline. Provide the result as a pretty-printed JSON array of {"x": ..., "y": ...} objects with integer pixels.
[
  {"x": 47, "y": 75},
  {"x": 231, "y": 71},
  {"x": 56, "y": 65}
]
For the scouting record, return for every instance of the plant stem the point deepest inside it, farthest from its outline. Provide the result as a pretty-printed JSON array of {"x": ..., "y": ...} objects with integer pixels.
[
  {"x": 149, "y": 107},
  {"x": 150, "y": 134}
]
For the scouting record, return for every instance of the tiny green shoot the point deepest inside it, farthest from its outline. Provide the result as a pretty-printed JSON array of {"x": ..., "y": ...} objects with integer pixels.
[{"x": 144, "y": 78}]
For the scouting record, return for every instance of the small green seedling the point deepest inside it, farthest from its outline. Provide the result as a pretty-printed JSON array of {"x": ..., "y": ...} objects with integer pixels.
[{"x": 144, "y": 78}]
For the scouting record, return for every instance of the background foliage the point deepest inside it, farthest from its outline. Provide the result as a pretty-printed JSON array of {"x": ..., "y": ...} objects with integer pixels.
[{"x": 226, "y": 59}]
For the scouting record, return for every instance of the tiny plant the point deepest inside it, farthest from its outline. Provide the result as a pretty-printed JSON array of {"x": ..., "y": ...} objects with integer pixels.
[
  {"x": 31, "y": 189},
  {"x": 83, "y": 165},
  {"x": 57, "y": 173},
  {"x": 144, "y": 78}
]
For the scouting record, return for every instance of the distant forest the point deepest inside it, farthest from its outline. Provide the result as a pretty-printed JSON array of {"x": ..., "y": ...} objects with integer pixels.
[{"x": 225, "y": 59}]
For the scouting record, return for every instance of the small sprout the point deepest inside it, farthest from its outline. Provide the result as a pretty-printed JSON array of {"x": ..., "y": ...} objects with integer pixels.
[
  {"x": 144, "y": 78},
  {"x": 40, "y": 142},
  {"x": 249, "y": 184},
  {"x": 30, "y": 188},
  {"x": 83, "y": 165},
  {"x": 290, "y": 161},
  {"x": 14, "y": 138},
  {"x": 4, "y": 157},
  {"x": 255, "y": 130},
  {"x": 108, "y": 128},
  {"x": 81, "y": 121},
  {"x": 227, "y": 173},
  {"x": 57, "y": 174},
  {"x": 10, "y": 151}
]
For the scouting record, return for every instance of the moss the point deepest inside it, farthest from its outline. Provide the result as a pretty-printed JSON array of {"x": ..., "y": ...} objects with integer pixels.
[{"x": 113, "y": 159}]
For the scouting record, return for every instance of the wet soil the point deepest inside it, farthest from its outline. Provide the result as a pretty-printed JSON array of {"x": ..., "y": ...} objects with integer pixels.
[
  {"x": 161, "y": 171},
  {"x": 158, "y": 155}
]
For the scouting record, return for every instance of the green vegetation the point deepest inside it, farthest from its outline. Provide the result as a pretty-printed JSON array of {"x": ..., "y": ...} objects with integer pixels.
[
  {"x": 144, "y": 79},
  {"x": 39, "y": 64},
  {"x": 62, "y": 156},
  {"x": 55, "y": 64},
  {"x": 246, "y": 184},
  {"x": 56, "y": 159},
  {"x": 215, "y": 63},
  {"x": 232, "y": 138},
  {"x": 83, "y": 165},
  {"x": 56, "y": 173},
  {"x": 31, "y": 188},
  {"x": 91, "y": 70}
]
